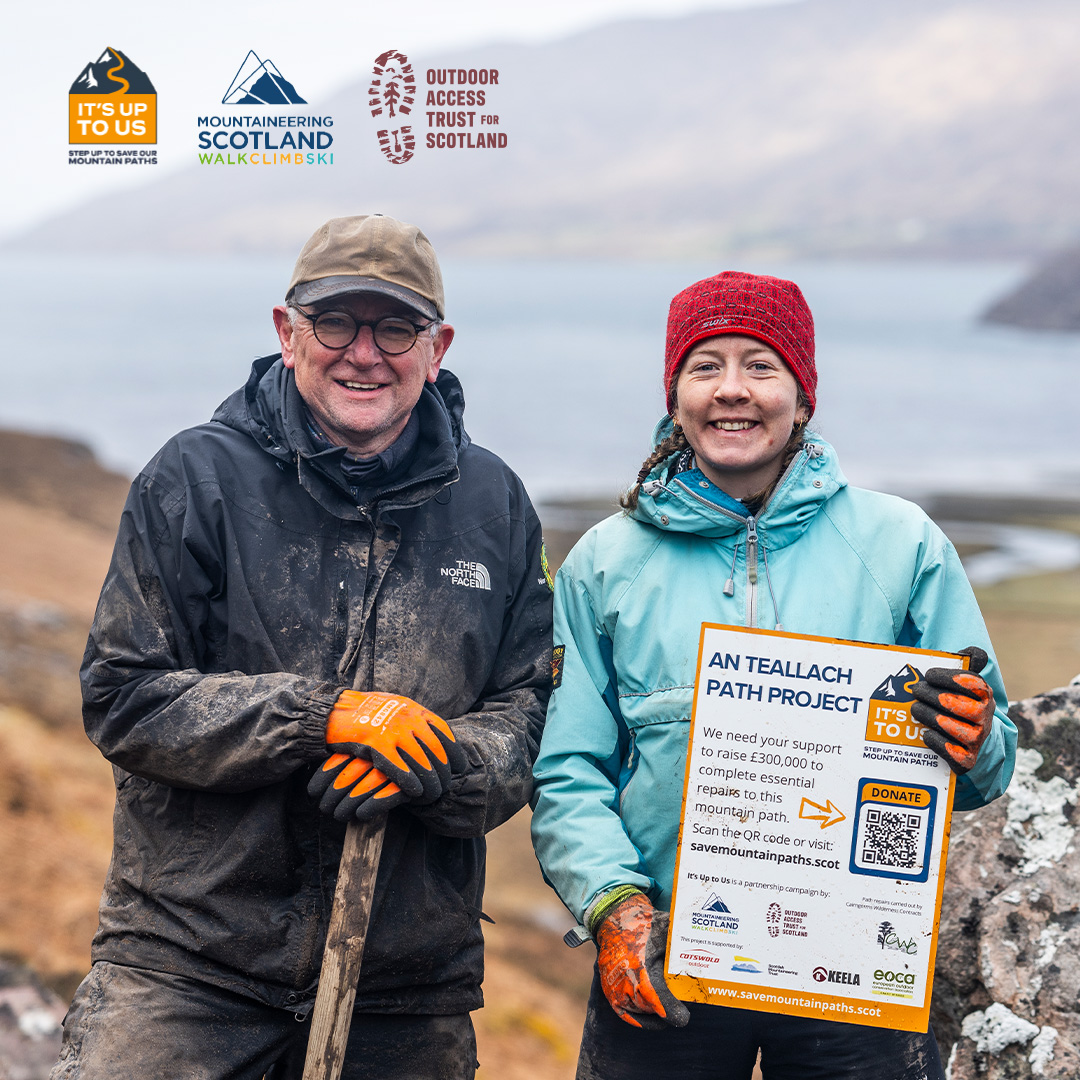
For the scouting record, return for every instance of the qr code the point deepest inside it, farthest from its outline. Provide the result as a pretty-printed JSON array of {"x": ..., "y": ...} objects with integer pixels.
[{"x": 891, "y": 840}]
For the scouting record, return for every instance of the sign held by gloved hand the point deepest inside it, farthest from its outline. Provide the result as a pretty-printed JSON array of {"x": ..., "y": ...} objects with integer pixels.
[{"x": 814, "y": 834}]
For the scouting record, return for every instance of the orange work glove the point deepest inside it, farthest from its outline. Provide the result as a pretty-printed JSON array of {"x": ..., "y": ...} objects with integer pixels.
[
  {"x": 412, "y": 746},
  {"x": 957, "y": 709},
  {"x": 632, "y": 940},
  {"x": 352, "y": 787}
]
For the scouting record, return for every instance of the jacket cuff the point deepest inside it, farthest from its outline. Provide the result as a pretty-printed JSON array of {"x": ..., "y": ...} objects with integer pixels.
[
  {"x": 313, "y": 722},
  {"x": 601, "y": 907}
]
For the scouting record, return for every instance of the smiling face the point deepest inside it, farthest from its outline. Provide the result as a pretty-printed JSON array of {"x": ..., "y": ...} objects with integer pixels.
[
  {"x": 737, "y": 402},
  {"x": 360, "y": 397}
]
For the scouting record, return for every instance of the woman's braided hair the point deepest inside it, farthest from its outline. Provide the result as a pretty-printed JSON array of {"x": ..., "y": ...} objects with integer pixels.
[{"x": 674, "y": 444}]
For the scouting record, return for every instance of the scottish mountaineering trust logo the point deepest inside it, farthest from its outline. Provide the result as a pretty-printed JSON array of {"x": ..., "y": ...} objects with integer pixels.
[
  {"x": 258, "y": 82},
  {"x": 112, "y": 102}
]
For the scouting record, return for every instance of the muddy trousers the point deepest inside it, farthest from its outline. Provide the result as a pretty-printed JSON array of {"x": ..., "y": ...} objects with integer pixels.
[
  {"x": 130, "y": 1024},
  {"x": 722, "y": 1044}
]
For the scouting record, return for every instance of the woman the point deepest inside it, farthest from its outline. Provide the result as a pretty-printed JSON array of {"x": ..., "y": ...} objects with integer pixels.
[{"x": 740, "y": 517}]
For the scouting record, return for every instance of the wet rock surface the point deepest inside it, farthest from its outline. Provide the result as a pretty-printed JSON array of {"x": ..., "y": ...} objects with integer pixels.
[{"x": 1007, "y": 979}]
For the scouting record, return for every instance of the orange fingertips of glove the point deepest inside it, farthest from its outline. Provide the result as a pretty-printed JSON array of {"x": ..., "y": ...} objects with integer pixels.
[
  {"x": 957, "y": 710},
  {"x": 345, "y": 785},
  {"x": 415, "y": 748}
]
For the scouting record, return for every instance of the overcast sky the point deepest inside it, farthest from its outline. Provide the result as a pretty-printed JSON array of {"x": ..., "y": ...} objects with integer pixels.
[{"x": 320, "y": 49}]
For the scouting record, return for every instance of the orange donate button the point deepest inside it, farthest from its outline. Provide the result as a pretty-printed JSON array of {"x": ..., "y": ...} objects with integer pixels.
[{"x": 895, "y": 794}]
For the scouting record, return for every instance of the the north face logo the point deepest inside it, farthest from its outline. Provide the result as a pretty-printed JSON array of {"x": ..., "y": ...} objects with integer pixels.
[{"x": 473, "y": 575}]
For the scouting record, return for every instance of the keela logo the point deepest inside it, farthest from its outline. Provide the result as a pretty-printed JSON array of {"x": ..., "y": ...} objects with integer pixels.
[
  {"x": 888, "y": 938},
  {"x": 471, "y": 575},
  {"x": 823, "y": 974},
  {"x": 258, "y": 82},
  {"x": 112, "y": 101},
  {"x": 391, "y": 96},
  {"x": 714, "y": 917}
]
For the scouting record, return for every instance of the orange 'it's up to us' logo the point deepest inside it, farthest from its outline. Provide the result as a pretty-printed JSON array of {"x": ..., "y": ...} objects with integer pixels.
[{"x": 112, "y": 101}]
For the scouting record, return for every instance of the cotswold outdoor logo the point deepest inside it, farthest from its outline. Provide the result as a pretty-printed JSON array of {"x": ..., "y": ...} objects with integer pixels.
[
  {"x": 824, "y": 974},
  {"x": 471, "y": 575},
  {"x": 700, "y": 960},
  {"x": 888, "y": 938},
  {"x": 714, "y": 917},
  {"x": 112, "y": 103},
  {"x": 253, "y": 136},
  {"x": 458, "y": 108}
]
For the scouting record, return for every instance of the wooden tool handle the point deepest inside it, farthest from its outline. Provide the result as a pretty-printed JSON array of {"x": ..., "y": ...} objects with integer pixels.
[{"x": 344, "y": 949}]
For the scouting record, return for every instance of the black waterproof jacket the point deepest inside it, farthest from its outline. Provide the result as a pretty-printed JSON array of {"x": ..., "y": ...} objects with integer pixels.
[{"x": 246, "y": 590}]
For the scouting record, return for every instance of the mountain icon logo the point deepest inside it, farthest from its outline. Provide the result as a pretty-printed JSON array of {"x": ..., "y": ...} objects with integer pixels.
[
  {"x": 112, "y": 73},
  {"x": 714, "y": 903},
  {"x": 259, "y": 82}
]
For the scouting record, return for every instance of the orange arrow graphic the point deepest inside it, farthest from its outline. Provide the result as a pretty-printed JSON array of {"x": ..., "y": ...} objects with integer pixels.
[{"x": 827, "y": 815}]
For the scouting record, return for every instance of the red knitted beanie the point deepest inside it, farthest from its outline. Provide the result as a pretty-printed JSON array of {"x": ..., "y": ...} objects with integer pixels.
[{"x": 767, "y": 308}]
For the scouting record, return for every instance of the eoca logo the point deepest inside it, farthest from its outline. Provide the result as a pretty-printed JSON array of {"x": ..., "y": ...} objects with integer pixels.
[{"x": 393, "y": 91}]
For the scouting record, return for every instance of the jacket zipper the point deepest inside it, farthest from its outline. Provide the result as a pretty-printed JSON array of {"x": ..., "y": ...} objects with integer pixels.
[
  {"x": 751, "y": 570},
  {"x": 811, "y": 450}
]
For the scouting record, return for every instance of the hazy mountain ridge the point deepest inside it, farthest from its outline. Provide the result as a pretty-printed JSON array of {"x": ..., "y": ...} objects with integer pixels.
[{"x": 826, "y": 127}]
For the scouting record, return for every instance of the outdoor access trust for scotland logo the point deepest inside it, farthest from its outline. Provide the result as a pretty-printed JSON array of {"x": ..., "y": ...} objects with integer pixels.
[{"x": 251, "y": 136}]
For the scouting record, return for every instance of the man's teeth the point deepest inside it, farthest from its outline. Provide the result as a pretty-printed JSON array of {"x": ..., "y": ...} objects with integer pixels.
[
  {"x": 362, "y": 385},
  {"x": 734, "y": 425}
]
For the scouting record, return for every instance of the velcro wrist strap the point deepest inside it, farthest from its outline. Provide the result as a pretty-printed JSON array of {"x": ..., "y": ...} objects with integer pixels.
[{"x": 601, "y": 908}]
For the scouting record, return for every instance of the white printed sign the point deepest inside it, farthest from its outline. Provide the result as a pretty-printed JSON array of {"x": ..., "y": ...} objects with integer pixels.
[{"x": 814, "y": 833}]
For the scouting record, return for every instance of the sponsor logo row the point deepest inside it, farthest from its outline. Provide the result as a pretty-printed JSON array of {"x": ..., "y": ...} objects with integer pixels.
[
  {"x": 714, "y": 918},
  {"x": 112, "y": 106}
]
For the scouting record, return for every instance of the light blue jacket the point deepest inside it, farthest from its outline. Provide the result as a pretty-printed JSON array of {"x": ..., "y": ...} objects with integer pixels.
[{"x": 821, "y": 558}]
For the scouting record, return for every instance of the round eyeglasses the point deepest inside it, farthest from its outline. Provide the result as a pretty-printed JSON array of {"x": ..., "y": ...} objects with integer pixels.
[{"x": 338, "y": 330}]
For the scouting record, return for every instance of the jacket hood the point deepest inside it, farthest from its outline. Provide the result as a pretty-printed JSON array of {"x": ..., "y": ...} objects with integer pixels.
[{"x": 689, "y": 502}]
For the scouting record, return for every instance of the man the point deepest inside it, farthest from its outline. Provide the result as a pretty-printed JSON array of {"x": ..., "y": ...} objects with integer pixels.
[{"x": 326, "y": 584}]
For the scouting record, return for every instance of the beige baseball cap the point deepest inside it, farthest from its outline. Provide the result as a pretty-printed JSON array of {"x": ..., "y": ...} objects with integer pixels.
[{"x": 370, "y": 253}]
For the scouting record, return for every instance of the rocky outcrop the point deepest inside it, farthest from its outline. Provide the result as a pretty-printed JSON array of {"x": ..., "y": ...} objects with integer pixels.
[
  {"x": 30, "y": 1018},
  {"x": 1047, "y": 300},
  {"x": 1007, "y": 979}
]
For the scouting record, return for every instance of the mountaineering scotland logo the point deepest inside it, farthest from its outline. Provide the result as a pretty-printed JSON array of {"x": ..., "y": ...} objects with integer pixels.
[
  {"x": 393, "y": 90},
  {"x": 254, "y": 137},
  {"x": 714, "y": 917},
  {"x": 112, "y": 101},
  {"x": 258, "y": 82}
]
